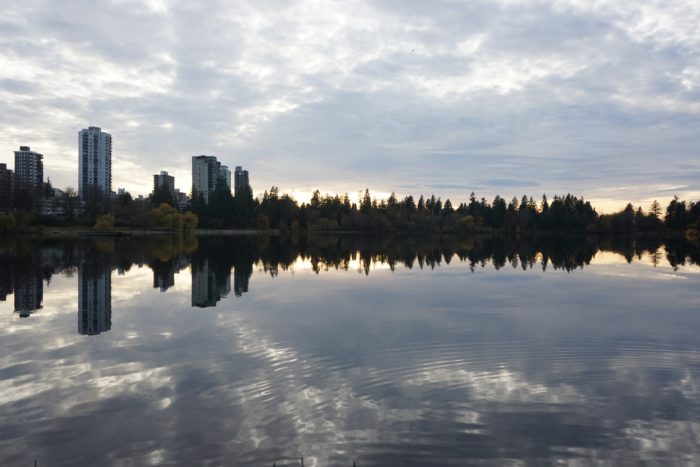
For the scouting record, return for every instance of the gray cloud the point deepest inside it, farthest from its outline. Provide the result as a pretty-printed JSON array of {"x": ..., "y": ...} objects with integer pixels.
[{"x": 598, "y": 98}]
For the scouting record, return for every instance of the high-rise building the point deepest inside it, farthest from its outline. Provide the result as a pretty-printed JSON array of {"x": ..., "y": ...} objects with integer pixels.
[
  {"x": 95, "y": 155},
  {"x": 94, "y": 296},
  {"x": 225, "y": 174},
  {"x": 29, "y": 170},
  {"x": 6, "y": 189},
  {"x": 241, "y": 182},
  {"x": 164, "y": 180},
  {"x": 206, "y": 171}
]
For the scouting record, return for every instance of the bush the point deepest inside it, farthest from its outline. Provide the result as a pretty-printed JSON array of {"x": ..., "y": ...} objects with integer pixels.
[
  {"x": 466, "y": 224},
  {"x": 190, "y": 221},
  {"x": 105, "y": 222},
  {"x": 167, "y": 217},
  {"x": 262, "y": 222},
  {"x": 8, "y": 222}
]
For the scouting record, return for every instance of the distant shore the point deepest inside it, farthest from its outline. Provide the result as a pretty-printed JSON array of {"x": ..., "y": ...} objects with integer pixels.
[
  {"x": 87, "y": 232},
  {"x": 75, "y": 232}
]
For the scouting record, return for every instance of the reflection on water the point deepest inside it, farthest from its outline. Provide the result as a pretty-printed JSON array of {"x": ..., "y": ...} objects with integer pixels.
[
  {"x": 95, "y": 294},
  {"x": 27, "y": 266},
  {"x": 440, "y": 352}
]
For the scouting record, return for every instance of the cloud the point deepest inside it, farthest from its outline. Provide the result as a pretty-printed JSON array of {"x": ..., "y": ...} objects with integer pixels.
[{"x": 554, "y": 96}]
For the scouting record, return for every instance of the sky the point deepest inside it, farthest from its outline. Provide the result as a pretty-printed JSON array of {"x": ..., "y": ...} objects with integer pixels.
[{"x": 594, "y": 97}]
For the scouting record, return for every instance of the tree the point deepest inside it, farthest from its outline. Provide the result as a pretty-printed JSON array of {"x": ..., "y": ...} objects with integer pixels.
[
  {"x": 262, "y": 223},
  {"x": 71, "y": 201},
  {"x": 466, "y": 224},
  {"x": 162, "y": 195},
  {"x": 391, "y": 203},
  {"x": 105, "y": 222},
  {"x": 448, "y": 209},
  {"x": 499, "y": 210},
  {"x": 8, "y": 222},
  {"x": 189, "y": 221},
  {"x": 315, "y": 200},
  {"x": 676, "y": 214},
  {"x": 244, "y": 208},
  {"x": 409, "y": 204},
  {"x": 366, "y": 203}
]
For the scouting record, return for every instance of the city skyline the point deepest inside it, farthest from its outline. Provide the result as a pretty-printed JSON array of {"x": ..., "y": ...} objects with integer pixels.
[{"x": 503, "y": 97}]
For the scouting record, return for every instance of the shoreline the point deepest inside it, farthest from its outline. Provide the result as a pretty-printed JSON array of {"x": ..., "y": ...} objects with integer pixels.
[
  {"x": 81, "y": 232},
  {"x": 90, "y": 233}
]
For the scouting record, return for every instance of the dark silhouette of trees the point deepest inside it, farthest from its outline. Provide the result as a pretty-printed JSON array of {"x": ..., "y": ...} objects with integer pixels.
[
  {"x": 566, "y": 214},
  {"x": 218, "y": 255},
  {"x": 561, "y": 214},
  {"x": 162, "y": 195}
]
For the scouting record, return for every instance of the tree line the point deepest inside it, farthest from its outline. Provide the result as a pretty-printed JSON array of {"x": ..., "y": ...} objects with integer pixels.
[
  {"x": 569, "y": 213},
  {"x": 22, "y": 255},
  {"x": 272, "y": 210}
]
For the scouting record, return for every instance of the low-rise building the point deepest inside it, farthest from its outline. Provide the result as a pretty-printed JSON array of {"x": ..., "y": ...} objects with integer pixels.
[{"x": 182, "y": 202}]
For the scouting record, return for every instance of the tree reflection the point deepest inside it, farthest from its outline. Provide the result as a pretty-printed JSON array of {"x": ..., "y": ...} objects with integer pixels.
[{"x": 26, "y": 265}]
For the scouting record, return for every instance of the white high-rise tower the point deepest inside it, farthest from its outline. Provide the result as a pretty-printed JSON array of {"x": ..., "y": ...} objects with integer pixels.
[{"x": 95, "y": 153}]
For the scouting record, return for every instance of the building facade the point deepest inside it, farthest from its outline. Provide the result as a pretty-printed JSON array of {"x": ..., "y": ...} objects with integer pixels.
[
  {"x": 95, "y": 161},
  {"x": 225, "y": 175},
  {"x": 181, "y": 200},
  {"x": 54, "y": 202},
  {"x": 6, "y": 189},
  {"x": 206, "y": 171},
  {"x": 29, "y": 170},
  {"x": 164, "y": 180},
  {"x": 241, "y": 182}
]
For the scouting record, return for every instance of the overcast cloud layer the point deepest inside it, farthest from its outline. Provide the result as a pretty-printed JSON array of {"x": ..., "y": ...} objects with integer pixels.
[{"x": 596, "y": 97}]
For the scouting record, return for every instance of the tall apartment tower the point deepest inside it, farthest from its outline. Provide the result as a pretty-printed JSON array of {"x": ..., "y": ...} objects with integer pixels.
[
  {"x": 164, "y": 180},
  {"x": 225, "y": 174},
  {"x": 95, "y": 153},
  {"x": 6, "y": 189},
  {"x": 206, "y": 171},
  {"x": 241, "y": 182},
  {"x": 29, "y": 170}
]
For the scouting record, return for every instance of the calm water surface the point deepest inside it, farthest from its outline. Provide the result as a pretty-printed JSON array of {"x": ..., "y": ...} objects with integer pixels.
[{"x": 384, "y": 352}]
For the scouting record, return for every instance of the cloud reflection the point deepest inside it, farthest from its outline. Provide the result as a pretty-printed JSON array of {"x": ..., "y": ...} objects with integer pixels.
[{"x": 404, "y": 366}]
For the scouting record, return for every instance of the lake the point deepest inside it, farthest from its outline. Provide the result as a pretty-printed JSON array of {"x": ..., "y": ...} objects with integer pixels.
[{"x": 383, "y": 351}]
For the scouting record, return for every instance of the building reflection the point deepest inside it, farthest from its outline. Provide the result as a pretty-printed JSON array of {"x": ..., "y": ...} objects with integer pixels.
[
  {"x": 6, "y": 278},
  {"x": 29, "y": 290},
  {"x": 23, "y": 277},
  {"x": 208, "y": 287},
  {"x": 26, "y": 266},
  {"x": 94, "y": 295},
  {"x": 240, "y": 281},
  {"x": 164, "y": 271}
]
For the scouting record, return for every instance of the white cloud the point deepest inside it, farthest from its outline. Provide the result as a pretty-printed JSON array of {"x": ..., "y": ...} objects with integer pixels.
[{"x": 343, "y": 95}]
